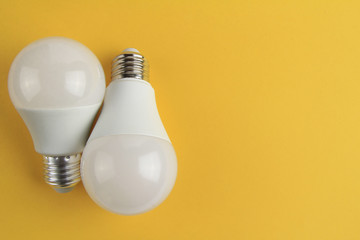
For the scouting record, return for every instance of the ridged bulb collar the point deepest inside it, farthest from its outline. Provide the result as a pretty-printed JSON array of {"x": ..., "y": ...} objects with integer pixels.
[
  {"x": 62, "y": 172},
  {"x": 130, "y": 64}
]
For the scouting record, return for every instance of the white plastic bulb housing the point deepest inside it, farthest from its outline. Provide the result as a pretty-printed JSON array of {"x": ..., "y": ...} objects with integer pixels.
[
  {"x": 57, "y": 85},
  {"x": 129, "y": 165}
]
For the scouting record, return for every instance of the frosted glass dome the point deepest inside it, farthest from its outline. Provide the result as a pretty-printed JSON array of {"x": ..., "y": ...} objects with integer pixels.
[
  {"x": 56, "y": 72},
  {"x": 128, "y": 174}
]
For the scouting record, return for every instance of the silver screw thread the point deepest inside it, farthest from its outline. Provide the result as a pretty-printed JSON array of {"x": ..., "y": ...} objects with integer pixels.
[
  {"x": 130, "y": 64},
  {"x": 62, "y": 172}
]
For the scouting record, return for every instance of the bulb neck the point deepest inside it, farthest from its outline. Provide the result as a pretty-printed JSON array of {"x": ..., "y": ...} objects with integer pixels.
[
  {"x": 129, "y": 108},
  {"x": 130, "y": 64},
  {"x": 62, "y": 172}
]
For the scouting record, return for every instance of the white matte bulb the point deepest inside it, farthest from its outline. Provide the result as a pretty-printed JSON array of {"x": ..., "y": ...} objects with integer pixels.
[
  {"x": 57, "y": 85},
  {"x": 129, "y": 165}
]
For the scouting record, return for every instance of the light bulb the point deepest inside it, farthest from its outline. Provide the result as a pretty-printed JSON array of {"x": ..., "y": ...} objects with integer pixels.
[
  {"x": 57, "y": 85},
  {"x": 129, "y": 165}
]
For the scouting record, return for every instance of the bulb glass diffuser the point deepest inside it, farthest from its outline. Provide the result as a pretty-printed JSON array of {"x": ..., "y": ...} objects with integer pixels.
[
  {"x": 57, "y": 85},
  {"x": 129, "y": 165}
]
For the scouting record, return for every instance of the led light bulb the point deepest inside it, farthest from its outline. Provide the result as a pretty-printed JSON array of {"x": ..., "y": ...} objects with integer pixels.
[
  {"x": 57, "y": 85},
  {"x": 129, "y": 165}
]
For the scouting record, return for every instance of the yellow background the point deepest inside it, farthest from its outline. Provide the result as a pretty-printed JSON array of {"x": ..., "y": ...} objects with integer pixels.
[{"x": 260, "y": 98}]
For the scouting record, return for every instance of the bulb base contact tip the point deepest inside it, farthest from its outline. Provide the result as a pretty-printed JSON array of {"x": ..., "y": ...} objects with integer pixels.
[
  {"x": 62, "y": 172},
  {"x": 130, "y": 64},
  {"x": 131, "y": 50}
]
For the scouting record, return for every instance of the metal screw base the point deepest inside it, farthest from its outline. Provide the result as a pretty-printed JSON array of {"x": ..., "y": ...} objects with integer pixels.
[
  {"x": 130, "y": 64},
  {"x": 62, "y": 172}
]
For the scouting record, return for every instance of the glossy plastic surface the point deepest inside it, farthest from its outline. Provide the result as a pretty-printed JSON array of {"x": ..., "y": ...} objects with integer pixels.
[
  {"x": 129, "y": 108},
  {"x": 59, "y": 132},
  {"x": 55, "y": 72},
  {"x": 128, "y": 174}
]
